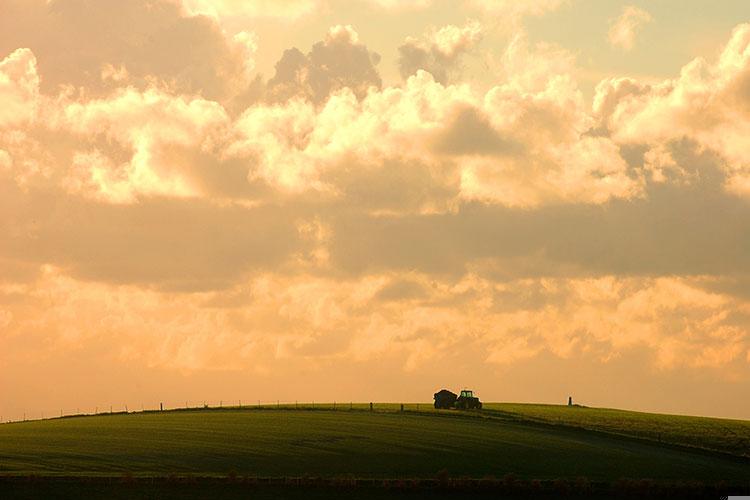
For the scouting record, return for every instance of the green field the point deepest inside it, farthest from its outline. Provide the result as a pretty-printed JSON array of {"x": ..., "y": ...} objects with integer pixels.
[
  {"x": 718, "y": 434},
  {"x": 504, "y": 439}
]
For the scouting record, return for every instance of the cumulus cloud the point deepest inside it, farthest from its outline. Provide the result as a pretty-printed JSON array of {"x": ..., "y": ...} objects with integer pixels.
[
  {"x": 707, "y": 103},
  {"x": 19, "y": 88},
  {"x": 624, "y": 30},
  {"x": 150, "y": 212},
  {"x": 339, "y": 61},
  {"x": 439, "y": 51},
  {"x": 145, "y": 40},
  {"x": 531, "y": 150}
]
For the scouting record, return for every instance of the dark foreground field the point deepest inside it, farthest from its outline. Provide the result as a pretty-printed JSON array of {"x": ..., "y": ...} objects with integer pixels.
[{"x": 514, "y": 450}]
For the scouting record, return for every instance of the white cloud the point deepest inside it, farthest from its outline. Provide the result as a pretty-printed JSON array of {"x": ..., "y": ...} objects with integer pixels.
[
  {"x": 19, "y": 88},
  {"x": 439, "y": 50},
  {"x": 708, "y": 104},
  {"x": 624, "y": 30}
]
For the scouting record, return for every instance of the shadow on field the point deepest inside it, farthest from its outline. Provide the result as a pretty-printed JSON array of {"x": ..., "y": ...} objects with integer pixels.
[{"x": 293, "y": 488}]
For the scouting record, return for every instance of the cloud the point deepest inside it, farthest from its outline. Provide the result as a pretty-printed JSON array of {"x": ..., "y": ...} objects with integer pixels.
[
  {"x": 19, "y": 88},
  {"x": 624, "y": 30},
  {"x": 250, "y": 9},
  {"x": 306, "y": 321},
  {"x": 531, "y": 148},
  {"x": 145, "y": 41},
  {"x": 187, "y": 217},
  {"x": 439, "y": 51},
  {"x": 514, "y": 9},
  {"x": 340, "y": 61},
  {"x": 707, "y": 103}
]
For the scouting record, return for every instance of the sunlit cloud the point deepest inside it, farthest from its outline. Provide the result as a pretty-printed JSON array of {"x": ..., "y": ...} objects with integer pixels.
[
  {"x": 195, "y": 194},
  {"x": 624, "y": 30}
]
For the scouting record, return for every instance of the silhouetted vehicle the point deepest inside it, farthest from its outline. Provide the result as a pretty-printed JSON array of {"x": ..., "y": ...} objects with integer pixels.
[
  {"x": 468, "y": 401},
  {"x": 445, "y": 399}
]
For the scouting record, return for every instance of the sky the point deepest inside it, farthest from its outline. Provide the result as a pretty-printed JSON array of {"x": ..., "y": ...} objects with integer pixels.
[{"x": 370, "y": 200}]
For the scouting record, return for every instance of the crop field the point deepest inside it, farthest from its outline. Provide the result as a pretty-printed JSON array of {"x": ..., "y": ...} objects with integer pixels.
[
  {"x": 724, "y": 435},
  {"x": 353, "y": 442}
]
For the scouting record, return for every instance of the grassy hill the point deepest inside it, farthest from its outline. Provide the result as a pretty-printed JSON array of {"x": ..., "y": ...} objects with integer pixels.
[
  {"x": 524, "y": 441},
  {"x": 718, "y": 434},
  {"x": 277, "y": 442}
]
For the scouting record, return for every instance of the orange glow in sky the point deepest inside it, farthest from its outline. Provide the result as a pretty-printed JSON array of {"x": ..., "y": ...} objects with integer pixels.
[{"x": 368, "y": 200}]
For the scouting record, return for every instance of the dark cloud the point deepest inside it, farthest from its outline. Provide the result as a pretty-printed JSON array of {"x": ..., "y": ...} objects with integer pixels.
[
  {"x": 331, "y": 65},
  {"x": 168, "y": 243},
  {"x": 470, "y": 132},
  {"x": 413, "y": 58},
  {"x": 393, "y": 185},
  {"x": 440, "y": 53},
  {"x": 74, "y": 40},
  {"x": 399, "y": 290},
  {"x": 689, "y": 229}
]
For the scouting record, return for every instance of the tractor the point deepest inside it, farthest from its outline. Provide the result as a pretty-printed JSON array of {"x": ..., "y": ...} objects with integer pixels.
[{"x": 445, "y": 399}]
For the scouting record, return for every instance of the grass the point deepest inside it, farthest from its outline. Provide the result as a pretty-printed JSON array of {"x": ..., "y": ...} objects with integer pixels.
[
  {"x": 505, "y": 439},
  {"x": 717, "y": 434}
]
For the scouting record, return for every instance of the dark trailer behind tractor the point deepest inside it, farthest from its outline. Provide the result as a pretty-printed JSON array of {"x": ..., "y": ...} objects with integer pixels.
[{"x": 445, "y": 399}]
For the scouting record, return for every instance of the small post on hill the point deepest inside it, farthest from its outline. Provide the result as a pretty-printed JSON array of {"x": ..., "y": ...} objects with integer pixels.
[
  {"x": 370, "y": 406},
  {"x": 161, "y": 406},
  {"x": 570, "y": 400},
  {"x": 402, "y": 407}
]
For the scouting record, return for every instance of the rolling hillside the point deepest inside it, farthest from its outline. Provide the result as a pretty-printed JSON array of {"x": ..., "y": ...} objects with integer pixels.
[{"x": 528, "y": 441}]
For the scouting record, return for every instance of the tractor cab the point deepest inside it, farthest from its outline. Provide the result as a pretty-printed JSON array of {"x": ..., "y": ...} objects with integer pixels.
[{"x": 467, "y": 394}]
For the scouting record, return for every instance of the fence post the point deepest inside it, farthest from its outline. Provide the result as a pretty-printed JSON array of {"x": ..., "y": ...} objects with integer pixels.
[
  {"x": 370, "y": 406},
  {"x": 161, "y": 406},
  {"x": 402, "y": 406}
]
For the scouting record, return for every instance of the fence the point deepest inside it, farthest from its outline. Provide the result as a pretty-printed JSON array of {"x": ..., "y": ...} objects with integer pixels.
[{"x": 237, "y": 404}]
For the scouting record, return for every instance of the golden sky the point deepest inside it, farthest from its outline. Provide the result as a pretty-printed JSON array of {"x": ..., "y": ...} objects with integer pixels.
[{"x": 373, "y": 199}]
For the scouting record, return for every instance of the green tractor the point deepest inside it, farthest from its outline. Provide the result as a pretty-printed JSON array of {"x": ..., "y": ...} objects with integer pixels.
[
  {"x": 468, "y": 401},
  {"x": 446, "y": 399}
]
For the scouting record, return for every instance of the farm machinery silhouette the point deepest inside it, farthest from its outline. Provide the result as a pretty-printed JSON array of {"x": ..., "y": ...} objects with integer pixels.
[{"x": 445, "y": 399}]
